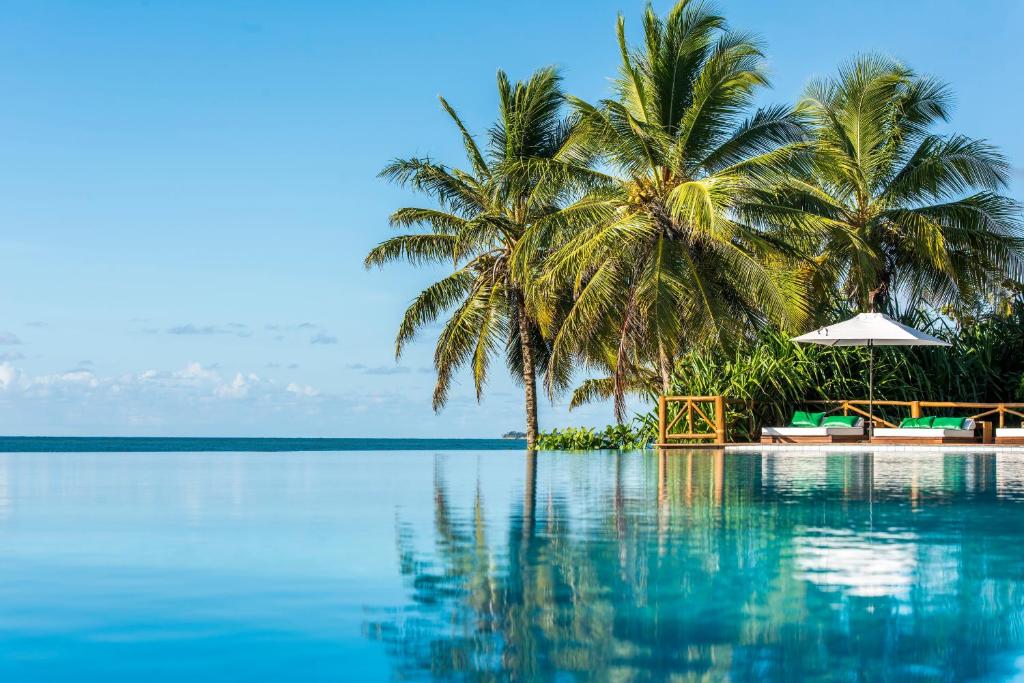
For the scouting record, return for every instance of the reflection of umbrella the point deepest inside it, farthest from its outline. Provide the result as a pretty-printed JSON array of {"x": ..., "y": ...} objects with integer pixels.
[
  {"x": 871, "y": 330},
  {"x": 863, "y": 564}
]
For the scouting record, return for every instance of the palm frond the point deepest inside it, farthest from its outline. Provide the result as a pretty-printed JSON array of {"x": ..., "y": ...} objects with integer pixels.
[
  {"x": 431, "y": 303},
  {"x": 416, "y": 249}
]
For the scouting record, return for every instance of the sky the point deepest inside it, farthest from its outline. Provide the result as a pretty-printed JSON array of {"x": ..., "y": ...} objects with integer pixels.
[{"x": 188, "y": 189}]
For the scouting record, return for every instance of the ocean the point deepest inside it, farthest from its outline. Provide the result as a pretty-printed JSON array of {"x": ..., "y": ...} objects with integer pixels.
[{"x": 150, "y": 444}]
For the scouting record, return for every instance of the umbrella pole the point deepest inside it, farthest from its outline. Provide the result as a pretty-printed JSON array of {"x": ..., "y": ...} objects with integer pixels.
[{"x": 871, "y": 389}]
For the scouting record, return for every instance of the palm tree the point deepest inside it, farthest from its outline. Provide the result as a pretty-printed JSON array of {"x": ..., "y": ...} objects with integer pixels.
[
  {"x": 481, "y": 215},
  {"x": 668, "y": 254},
  {"x": 901, "y": 209}
]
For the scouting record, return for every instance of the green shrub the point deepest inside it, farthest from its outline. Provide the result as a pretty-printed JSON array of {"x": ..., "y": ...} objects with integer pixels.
[{"x": 640, "y": 433}]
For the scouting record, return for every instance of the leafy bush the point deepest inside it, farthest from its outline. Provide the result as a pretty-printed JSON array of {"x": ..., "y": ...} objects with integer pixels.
[{"x": 640, "y": 433}]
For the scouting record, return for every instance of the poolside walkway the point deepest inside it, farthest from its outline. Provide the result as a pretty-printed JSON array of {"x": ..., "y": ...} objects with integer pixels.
[
  {"x": 876, "y": 448},
  {"x": 843, "y": 448}
]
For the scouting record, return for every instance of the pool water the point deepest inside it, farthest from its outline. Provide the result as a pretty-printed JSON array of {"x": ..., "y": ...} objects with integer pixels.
[{"x": 499, "y": 565}]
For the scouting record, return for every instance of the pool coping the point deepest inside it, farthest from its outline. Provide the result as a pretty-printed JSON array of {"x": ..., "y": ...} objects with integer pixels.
[{"x": 870, "y": 448}]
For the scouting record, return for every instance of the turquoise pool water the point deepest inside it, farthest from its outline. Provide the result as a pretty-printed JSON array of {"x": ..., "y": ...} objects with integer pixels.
[{"x": 496, "y": 565}]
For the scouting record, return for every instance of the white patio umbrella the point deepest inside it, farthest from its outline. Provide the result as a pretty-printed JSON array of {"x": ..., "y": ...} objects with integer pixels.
[{"x": 870, "y": 330}]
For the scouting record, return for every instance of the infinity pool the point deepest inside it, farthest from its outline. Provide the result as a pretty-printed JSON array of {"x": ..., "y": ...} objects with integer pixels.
[{"x": 496, "y": 565}]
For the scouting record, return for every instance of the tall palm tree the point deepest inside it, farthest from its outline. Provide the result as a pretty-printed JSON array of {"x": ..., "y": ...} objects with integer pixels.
[
  {"x": 899, "y": 209},
  {"x": 668, "y": 255},
  {"x": 481, "y": 215}
]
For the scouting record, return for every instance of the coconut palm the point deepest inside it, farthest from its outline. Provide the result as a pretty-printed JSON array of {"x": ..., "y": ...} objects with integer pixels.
[
  {"x": 668, "y": 255},
  {"x": 480, "y": 216},
  {"x": 901, "y": 209}
]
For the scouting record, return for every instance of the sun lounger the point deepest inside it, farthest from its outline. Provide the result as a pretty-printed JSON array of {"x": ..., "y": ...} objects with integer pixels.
[
  {"x": 815, "y": 428},
  {"x": 1010, "y": 436},
  {"x": 927, "y": 431}
]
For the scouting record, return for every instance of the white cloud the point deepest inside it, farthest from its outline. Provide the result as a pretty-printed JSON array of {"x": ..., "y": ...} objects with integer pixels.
[
  {"x": 302, "y": 389},
  {"x": 196, "y": 371},
  {"x": 8, "y": 375},
  {"x": 199, "y": 399},
  {"x": 194, "y": 381},
  {"x": 239, "y": 386},
  {"x": 84, "y": 377}
]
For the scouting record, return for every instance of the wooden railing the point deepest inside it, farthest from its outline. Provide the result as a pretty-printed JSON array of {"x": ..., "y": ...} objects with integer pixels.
[
  {"x": 703, "y": 418},
  {"x": 1000, "y": 410},
  {"x": 687, "y": 412}
]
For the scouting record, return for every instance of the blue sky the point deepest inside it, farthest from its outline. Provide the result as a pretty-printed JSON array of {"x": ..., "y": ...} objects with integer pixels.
[{"x": 187, "y": 190}]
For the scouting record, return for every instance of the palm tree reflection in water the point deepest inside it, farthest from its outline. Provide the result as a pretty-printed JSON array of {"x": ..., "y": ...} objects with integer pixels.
[{"x": 705, "y": 565}]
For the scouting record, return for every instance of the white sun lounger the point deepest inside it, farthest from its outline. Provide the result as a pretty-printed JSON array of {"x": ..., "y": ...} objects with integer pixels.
[
  {"x": 924, "y": 435},
  {"x": 813, "y": 434},
  {"x": 1010, "y": 436}
]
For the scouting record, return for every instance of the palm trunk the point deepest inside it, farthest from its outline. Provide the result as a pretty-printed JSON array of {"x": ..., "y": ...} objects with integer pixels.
[
  {"x": 529, "y": 377},
  {"x": 664, "y": 366},
  {"x": 879, "y": 296}
]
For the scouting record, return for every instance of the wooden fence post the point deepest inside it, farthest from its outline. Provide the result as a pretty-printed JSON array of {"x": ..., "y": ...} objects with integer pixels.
[
  {"x": 915, "y": 409},
  {"x": 719, "y": 420},
  {"x": 662, "y": 420}
]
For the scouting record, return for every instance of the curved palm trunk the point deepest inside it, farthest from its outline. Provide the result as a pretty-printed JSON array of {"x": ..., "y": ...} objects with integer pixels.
[
  {"x": 529, "y": 376},
  {"x": 665, "y": 369}
]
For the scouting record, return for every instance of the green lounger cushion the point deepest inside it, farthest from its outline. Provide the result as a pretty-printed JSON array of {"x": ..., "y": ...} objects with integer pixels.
[
  {"x": 802, "y": 419},
  {"x": 917, "y": 422},
  {"x": 949, "y": 422},
  {"x": 840, "y": 421}
]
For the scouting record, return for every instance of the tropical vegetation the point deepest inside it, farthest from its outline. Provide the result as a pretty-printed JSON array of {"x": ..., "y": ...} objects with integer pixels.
[
  {"x": 775, "y": 377},
  {"x": 668, "y": 254},
  {"x": 983, "y": 365},
  {"x": 481, "y": 215},
  {"x": 671, "y": 237},
  {"x": 637, "y": 434},
  {"x": 892, "y": 207}
]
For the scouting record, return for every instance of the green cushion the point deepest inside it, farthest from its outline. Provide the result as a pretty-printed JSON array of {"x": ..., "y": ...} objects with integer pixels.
[
  {"x": 840, "y": 421},
  {"x": 802, "y": 419},
  {"x": 949, "y": 422},
  {"x": 917, "y": 422}
]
